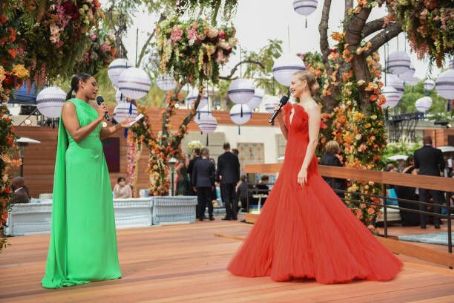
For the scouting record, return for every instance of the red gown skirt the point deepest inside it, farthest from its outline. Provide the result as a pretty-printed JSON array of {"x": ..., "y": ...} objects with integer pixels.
[{"x": 308, "y": 232}]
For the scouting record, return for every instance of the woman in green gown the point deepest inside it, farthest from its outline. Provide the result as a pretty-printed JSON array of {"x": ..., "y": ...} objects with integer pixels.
[{"x": 83, "y": 244}]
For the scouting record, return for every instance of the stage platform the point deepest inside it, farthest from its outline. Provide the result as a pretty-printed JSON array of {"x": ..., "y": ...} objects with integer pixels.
[{"x": 186, "y": 263}]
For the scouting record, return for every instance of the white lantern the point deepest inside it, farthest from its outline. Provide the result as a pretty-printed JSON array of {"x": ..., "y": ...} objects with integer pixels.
[
  {"x": 255, "y": 101},
  {"x": 285, "y": 67},
  {"x": 134, "y": 83},
  {"x": 429, "y": 85},
  {"x": 391, "y": 95},
  {"x": 192, "y": 96},
  {"x": 166, "y": 82},
  {"x": 408, "y": 78},
  {"x": 445, "y": 84},
  {"x": 305, "y": 7},
  {"x": 423, "y": 104},
  {"x": 116, "y": 67},
  {"x": 50, "y": 101},
  {"x": 240, "y": 114},
  {"x": 241, "y": 91},
  {"x": 398, "y": 63},
  {"x": 121, "y": 111},
  {"x": 201, "y": 113},
  {"x": 394, "y": 81},
  {"x": 270, "y": 103},
  {"x": 208, "y": 124},
  {"x": 451, "y": 64}
]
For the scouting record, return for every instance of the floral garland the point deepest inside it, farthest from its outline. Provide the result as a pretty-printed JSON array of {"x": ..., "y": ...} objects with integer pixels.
[
  {"x": 162, "y": 147},
  {"x": 429, "y": 25},
  {"x": 10, "y": 80},
  {"x": 193, "y": 50},
  {"x": 7, "y": 150},
  {"x": 48, "y": 36},
  {"x": 362, "y": 135}
]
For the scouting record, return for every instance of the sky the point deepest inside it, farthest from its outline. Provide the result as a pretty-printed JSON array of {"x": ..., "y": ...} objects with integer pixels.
[{"x": 257, "y": 21}]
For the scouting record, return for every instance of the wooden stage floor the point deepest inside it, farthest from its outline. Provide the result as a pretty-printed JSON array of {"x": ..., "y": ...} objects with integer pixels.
[{"x": 186, "y": 263}]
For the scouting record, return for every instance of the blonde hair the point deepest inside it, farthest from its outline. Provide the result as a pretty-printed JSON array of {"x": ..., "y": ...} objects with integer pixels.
[
  {"x": 332, "y": 147},
  {"x": 310, "y": 79}
]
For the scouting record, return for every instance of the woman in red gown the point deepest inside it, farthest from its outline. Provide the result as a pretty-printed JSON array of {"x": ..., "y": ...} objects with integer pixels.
[{"x": 305, "y": 230}]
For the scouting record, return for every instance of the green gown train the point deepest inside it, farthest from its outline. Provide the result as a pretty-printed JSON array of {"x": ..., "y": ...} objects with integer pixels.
[{"x": 83, "y": 244}]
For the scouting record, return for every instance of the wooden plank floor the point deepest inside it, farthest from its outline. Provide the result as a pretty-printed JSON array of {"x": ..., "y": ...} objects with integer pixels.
[{"x": 186, "y": 263}]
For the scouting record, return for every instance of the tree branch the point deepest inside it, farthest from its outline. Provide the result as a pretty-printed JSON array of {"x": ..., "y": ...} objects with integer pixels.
[
  {"x": 145, "y": 46},
  {"x": 232, "y": 72},
  {"x": 323, "y": 29},
  {"x": 373, "y": 26},
  {"x": 384, "y": 36},
  {"x": 355, "y": 27},
  {"x": 348, "y": 6}
]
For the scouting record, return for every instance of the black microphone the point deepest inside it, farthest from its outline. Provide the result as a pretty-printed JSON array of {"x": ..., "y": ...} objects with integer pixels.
[
  {"x": 283, "y": 101},
  {"x": 100, "y": 100}
]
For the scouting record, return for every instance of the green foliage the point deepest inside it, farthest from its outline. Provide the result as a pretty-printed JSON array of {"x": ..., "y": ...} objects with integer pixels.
[
  {"x": 413, "y": 93},
  {"x": 263, "y": 77},
  {"x": 400, "y": 148}
]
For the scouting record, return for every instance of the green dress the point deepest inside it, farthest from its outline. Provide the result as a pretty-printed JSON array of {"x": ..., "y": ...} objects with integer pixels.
[{"x": 83, "y": 244}]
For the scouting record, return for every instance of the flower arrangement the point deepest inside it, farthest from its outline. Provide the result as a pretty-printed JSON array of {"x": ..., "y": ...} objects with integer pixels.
[
  {"x": 429, "y": 25},
  {"x": 194, "y": 144},
  {"x": 162, "y": 146},
  {"x": 7, "y": 150},
  {"x": 101, "y": 52},
  {"x": 193, "y": 50},
  {"x": 42, "y": 35},
  {"x": 10, "y": 80},
  {"x": 360, "y": 132}
]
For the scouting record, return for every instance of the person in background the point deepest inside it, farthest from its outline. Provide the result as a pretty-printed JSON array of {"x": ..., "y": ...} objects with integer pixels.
[
  {"x": 332, "y": 157},
  {"x": 203, "y": 183},
  {"x": 263, "y": 188},
  {"x": 122, "y": 190},
  {"x": 228, "y": 174},
  {"x": 241, "y": 190},
  {"x": 429, "y": 162},
  {"x": 182, "y": 178},
  {"x": 408, "y": 193},
  {"x": 195, "y": 157},
  {"x": 21, "y": 193},
  {"x": 235, "y": 151}
]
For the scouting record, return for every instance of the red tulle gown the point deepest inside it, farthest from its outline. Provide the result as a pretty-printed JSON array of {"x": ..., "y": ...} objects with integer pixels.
[{"x": 308, "y": 232}]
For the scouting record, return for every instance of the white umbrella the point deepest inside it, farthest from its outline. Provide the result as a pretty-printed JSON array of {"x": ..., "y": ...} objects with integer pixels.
[
  {"x": 398, "y": 158},
  {"x": 446, "y": 149},
  {"x": 26, "y": 140}
]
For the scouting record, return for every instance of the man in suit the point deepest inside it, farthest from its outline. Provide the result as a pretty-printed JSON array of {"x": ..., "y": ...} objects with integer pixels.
[
  {"x": 228, "y": 174},
  {"x": 429, "y": 162},
  {"x": 202, "y": 179},
  {"x": 195, "y": 157}
]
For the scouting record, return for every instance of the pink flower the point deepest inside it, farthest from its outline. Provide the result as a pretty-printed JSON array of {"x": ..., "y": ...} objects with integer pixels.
[
  {"x": 176, "y": 34},
  {"x": 192, "y": 35},
  {"x": 105, "y": 48},
  {"x": 93, "y": 37}
]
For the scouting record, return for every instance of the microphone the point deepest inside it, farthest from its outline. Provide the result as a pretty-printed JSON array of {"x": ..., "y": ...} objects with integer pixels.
[
  {"x": 100, "y": 100},
  {"x": 283, "y": 101}
]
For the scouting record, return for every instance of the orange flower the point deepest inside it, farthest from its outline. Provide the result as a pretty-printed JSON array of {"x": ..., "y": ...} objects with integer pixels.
[
  {"x": 337, "y": 36},
  {"x": 12, "y": 52},
  {"x": 373, "y": 98}
]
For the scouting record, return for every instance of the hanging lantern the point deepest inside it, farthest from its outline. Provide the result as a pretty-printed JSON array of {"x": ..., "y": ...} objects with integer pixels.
[
  {"x": 192, "y": 96},
  {"x": 50, "y": 101},
  {"x": 394, "y": 81},
  {"x": 429, "y": 85},
  {"x": 257, "y": 99},
  {"x": 240, "y": 114},
  {"x": 201, "y": 113},
  {"x": 134, "y": 83},
  {"x": 391, "y": 95},
  {"x": 451, "y": 64},
  {"x": 408, "y": 78},
  {"x": 305, "y": 7},
  {"x": 398, "y": 63},
  {"x": 241, "y": 91},
  {"x": 166, "y": 82},
  {"x": 122, "y": 110},
  {"x": 285, "y": 67},
  {"x": 208, "y": 124},
  {"x": 445, "y": 84},
  {"x": 270, "y": 103},
  {"x": 423, "y": 104},
  {"x": 116, "y": 67}
]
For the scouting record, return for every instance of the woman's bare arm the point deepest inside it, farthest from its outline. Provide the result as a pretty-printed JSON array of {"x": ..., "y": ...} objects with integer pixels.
[{"x": 69, "y": 117}]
